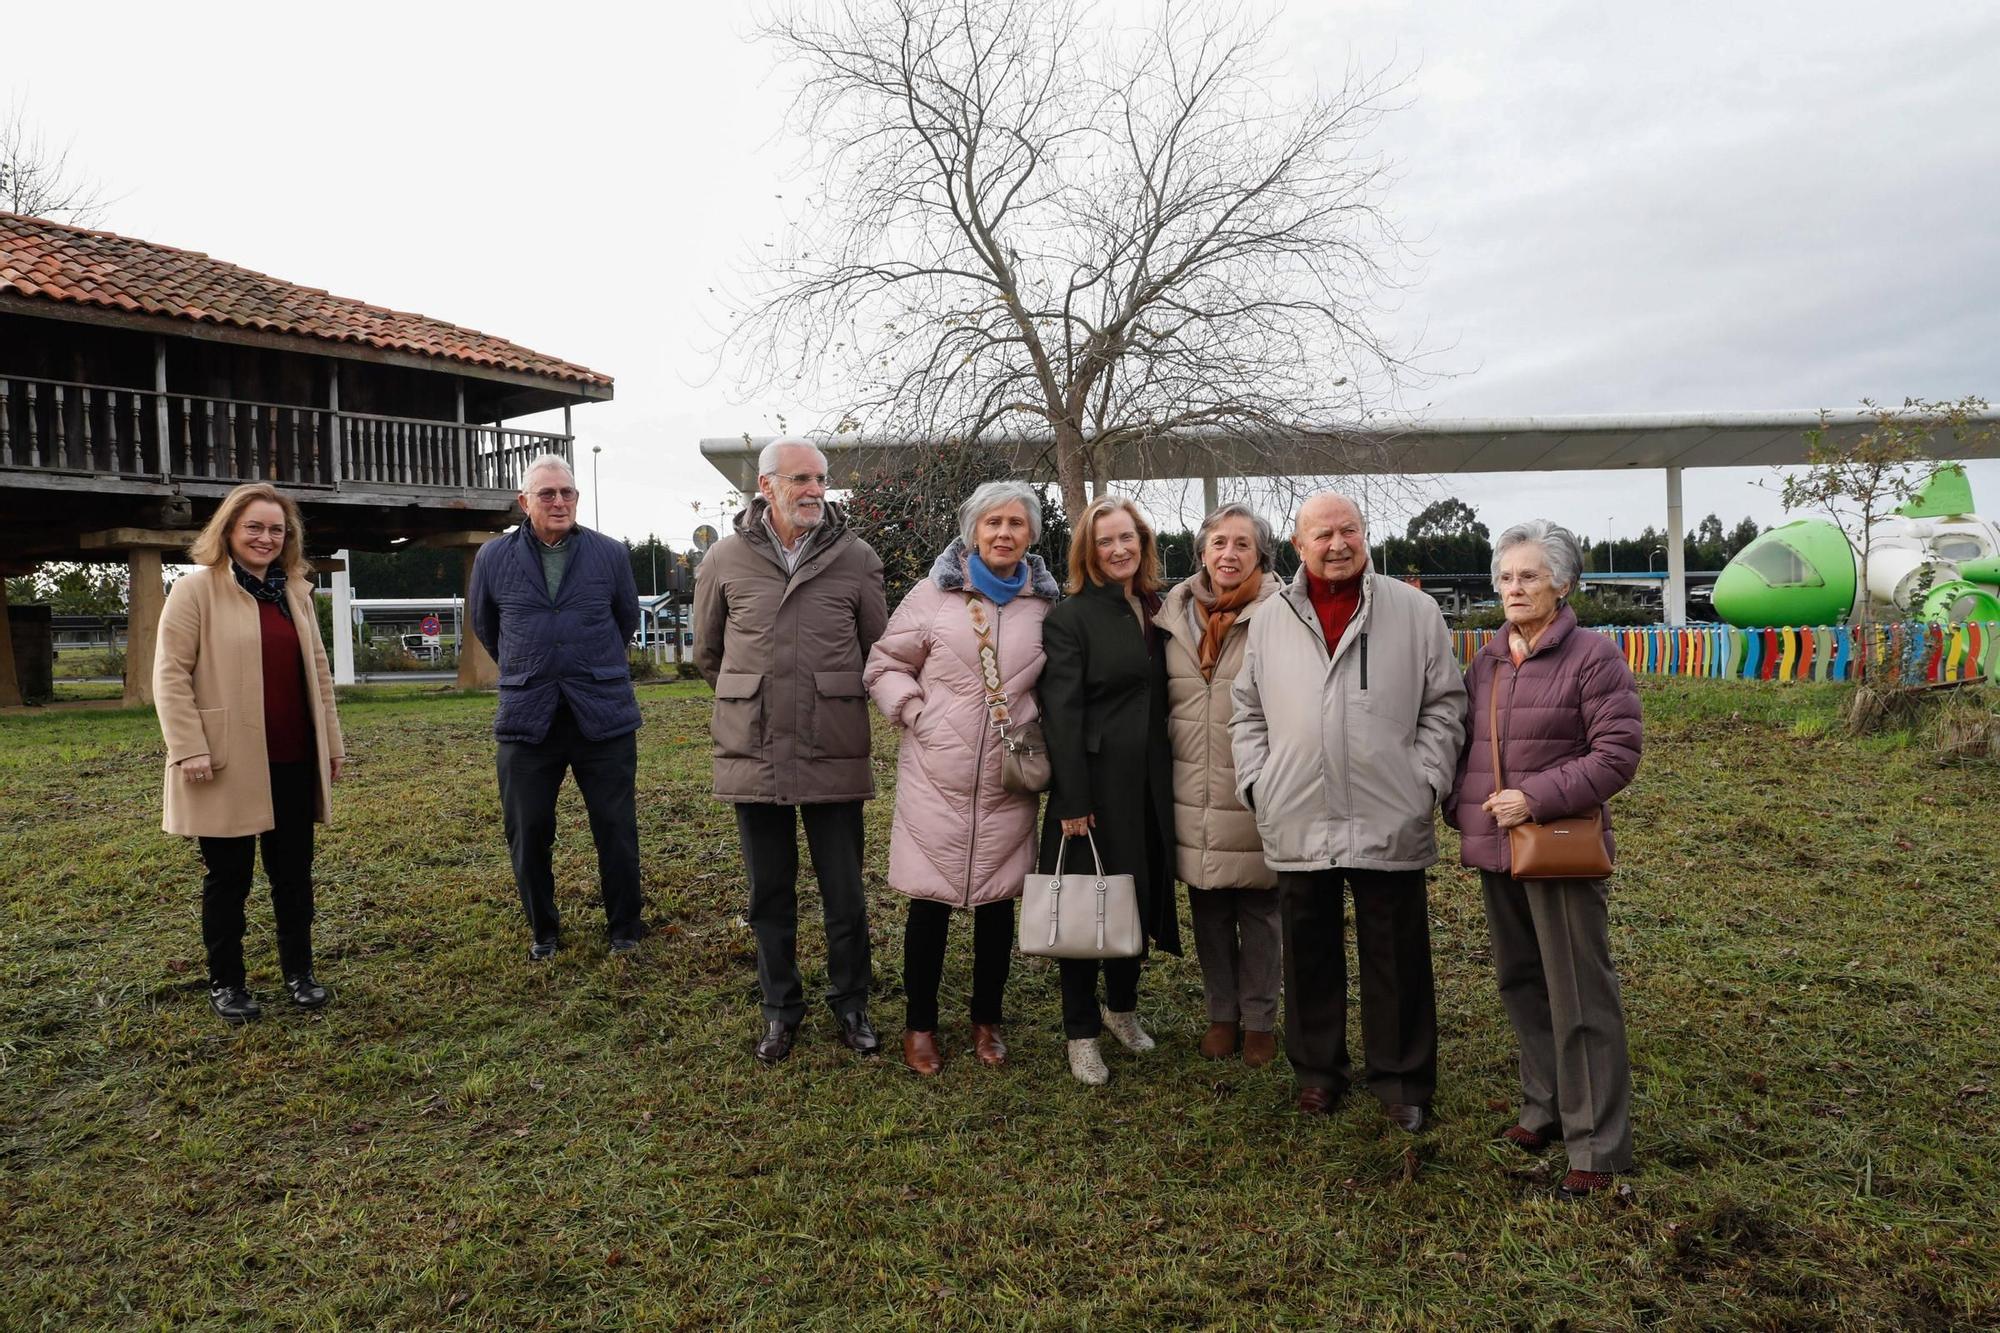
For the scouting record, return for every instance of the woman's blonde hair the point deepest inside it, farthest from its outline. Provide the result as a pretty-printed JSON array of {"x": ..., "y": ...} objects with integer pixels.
[
  {"x": 1083, "y": 567},
  {"x": 212, "y": 546}
]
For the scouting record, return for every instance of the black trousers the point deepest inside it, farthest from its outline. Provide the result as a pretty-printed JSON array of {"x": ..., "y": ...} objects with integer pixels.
[
  {"x": 1079, "y": 992},
  {"x": 1392, "y": 939},
  {"x": 288, "y": 859},
  {"x": 530, "y": 776},
  {"x": 769, "y": 835},
  {"x": 923, "y": 959}
]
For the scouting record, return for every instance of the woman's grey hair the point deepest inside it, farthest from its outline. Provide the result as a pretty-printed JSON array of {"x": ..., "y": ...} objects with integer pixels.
[
  {"x": 991, "y": 496},
  {"x": 767, "y": 457},
  {"x": 1559, "y": 549},
  {"x": 541, "y": 461},
  {"x": 1267, "y": 543}
]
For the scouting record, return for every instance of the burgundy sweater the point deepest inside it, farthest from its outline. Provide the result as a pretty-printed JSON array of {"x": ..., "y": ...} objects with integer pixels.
[{"x": 288, "y": 737}]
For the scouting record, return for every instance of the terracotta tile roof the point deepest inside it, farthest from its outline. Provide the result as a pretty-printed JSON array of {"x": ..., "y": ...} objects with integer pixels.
[{"x": 56, "y": 262}]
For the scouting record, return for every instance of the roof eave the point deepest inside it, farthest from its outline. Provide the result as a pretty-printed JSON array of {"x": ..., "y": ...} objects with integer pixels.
[{"x": 575, "y": 390}]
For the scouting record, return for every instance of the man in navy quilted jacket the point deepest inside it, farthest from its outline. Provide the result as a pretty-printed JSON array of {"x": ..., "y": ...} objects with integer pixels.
[{"x": 555, "y": 604}]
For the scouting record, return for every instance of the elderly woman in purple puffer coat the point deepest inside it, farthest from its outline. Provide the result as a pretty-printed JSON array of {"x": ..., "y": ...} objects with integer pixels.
[
  {"x": 960, "y": 839},
  {"x": 1569, "y": 740}
]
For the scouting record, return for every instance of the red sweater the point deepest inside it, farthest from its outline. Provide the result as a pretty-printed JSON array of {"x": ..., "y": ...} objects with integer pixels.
[
  {"x": 287, "y": 720},
  {"x": 1335, "y": 603}
]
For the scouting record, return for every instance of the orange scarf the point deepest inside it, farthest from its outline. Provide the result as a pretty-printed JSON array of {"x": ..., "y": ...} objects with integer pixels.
[{"x": 1219, "y": 611}]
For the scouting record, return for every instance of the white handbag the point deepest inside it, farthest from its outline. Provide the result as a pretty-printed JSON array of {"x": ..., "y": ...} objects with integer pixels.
[{"x": 1081, "y": 916}]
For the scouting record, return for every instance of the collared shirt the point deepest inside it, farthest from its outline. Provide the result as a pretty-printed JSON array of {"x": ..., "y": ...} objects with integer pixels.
[
  {"x": 555, "y": 559},
  {"x": 790, "y": 554}
]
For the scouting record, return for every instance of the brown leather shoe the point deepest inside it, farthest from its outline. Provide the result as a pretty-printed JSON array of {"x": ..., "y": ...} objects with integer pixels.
[
  {"x": 1259, "y": 1048},
  {"x": 920, "y": 1052},
  {"x": 1580, "y": 1185},
  {"x": 986, "y": 1044},
  {"x": 1315, "y": 1101},
  {"x": 1219, "y": 1042}
]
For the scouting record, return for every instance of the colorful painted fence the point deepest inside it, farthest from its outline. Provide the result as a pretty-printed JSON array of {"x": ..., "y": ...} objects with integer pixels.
[{"x": 1915, "y": 652}]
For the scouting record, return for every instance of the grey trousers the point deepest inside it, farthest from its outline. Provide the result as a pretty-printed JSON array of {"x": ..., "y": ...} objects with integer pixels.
[
  {"x": 1552, "y": 951},
  {"x": 1240, "y": 943}
]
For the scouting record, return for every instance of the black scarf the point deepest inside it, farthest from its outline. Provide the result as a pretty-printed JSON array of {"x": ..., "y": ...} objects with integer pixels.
[{"x": 269, "y": 589}]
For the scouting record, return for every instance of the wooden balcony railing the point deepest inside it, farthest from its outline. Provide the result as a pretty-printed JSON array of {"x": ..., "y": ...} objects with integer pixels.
[{"x": 96, "y": 430}]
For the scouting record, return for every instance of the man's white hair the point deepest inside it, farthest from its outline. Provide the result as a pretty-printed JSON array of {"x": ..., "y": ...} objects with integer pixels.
[
  {"x": 767, "y": 457},
  {"x": 542, "y": 461}
]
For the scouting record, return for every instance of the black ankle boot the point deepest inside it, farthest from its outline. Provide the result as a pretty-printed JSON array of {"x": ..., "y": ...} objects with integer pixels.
[
  {"x": 307, "y": 993},
  {"x": 234, "y": 1004}
]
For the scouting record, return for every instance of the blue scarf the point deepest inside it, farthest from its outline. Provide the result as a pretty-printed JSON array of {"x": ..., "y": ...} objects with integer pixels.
[{"x": 992, "y": 585}]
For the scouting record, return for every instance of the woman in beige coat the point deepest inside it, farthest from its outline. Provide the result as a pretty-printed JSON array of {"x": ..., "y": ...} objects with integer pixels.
[
  {"x": 1220, "y": 856},
  {"x": 245, "y": 701}
]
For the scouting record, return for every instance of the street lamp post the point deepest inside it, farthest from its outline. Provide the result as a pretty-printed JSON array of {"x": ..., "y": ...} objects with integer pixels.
[
  {"x": 1657, "y": 550},
  {"x": 1610, "y": 550},
  {"x": 596, "y": 495}
]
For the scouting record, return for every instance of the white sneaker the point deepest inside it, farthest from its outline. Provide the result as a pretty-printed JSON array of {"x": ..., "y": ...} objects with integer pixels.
[
  {"x": 1086, "y": 1063},
  {"x": 1126, "y": 1028}
]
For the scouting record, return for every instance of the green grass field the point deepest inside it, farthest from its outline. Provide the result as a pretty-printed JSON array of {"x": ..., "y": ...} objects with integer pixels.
[{"x": 1806, "y": 925}]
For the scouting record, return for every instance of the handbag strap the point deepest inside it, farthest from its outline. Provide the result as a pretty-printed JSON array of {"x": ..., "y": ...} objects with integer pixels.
[
  {"x": 997, "y": 710},
  {"x": 1062, "y": 850}
]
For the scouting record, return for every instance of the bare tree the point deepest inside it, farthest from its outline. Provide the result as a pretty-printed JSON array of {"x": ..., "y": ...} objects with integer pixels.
[
  {"x": 1030, "y": 225},
  {"x": 38, "y": 180}
]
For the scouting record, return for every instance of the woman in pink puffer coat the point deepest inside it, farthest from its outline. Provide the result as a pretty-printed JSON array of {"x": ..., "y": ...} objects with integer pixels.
[{"x": 960, "y": 839}]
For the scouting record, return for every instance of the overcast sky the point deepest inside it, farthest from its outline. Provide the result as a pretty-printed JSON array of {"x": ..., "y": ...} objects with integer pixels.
[{"x": 1686, "y": 207}]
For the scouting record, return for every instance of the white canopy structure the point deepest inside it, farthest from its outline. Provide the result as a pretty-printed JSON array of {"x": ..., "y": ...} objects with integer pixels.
[{"x": 1666, "y": 442}]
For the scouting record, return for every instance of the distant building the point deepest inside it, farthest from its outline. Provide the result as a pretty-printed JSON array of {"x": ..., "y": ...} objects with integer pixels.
[{"x": 139, "y": 383}]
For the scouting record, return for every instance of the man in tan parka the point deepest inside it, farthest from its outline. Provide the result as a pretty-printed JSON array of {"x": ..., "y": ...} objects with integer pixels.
[{"x": 785, "y": 611}]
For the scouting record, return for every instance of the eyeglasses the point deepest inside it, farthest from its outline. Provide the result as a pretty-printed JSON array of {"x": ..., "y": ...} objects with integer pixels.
[
  {"x": 548, "y": 495},
  {"x": 800, "y": 478},
  {"x": 274, "y": 530}
]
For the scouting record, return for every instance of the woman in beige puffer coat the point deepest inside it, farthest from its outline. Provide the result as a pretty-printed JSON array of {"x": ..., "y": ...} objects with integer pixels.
[{"x": 1220, "y": 856}]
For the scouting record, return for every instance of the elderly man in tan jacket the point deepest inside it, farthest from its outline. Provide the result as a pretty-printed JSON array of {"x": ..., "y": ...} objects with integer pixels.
[
  {"x": 1349, "y": 715},
  {"x": 785, "y": 611}
]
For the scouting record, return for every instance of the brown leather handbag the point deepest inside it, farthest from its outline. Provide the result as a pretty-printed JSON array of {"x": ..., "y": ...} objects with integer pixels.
[{"x": 1570, "y": 848}]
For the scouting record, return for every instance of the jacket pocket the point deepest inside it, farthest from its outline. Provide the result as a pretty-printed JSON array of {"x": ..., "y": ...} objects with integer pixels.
[
  {"x": 611, "y": 673},
  {"x": 215, "y": 730},
  {"x": 737, "y": 723},
  {"x": 840, "y": 715},
  {"x": 515, "y": 679}
]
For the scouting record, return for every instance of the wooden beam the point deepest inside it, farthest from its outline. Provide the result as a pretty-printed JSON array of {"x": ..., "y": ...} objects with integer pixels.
[
  {"x": 148, "y": 597},
  {"x": 10, "y": 679},
  {"x": 137, "y": 539},
  {"x": 449, "y": 540},
  {"x": 476, "y": 668}
]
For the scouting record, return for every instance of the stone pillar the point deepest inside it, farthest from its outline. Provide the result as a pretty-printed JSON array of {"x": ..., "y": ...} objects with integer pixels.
[
  {"x": 10, "y": 680},
  {"x": 342, "y": 646},
  {"x": 476, "y": 667},
  {"x": 142, "y": 628}
]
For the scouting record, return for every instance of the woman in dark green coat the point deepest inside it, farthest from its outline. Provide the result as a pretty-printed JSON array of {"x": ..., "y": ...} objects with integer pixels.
[{"x": 1104, "y": 710}]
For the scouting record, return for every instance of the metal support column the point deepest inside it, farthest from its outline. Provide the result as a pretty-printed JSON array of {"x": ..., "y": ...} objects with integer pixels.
[
  {"x": 1673, "y": 602},
  {"x": 1211, "y": 495}
]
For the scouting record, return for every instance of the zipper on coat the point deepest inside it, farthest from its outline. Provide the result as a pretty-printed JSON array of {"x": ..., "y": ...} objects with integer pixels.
[{"x": 1364, "y": 659}]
